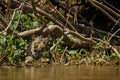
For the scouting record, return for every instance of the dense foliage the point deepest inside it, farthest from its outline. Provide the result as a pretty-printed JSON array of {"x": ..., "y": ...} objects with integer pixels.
[{"x": 59, "y": 31}]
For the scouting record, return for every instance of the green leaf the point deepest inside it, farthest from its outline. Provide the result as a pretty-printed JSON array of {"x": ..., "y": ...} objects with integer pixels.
[
  {"x": 13, "y": 47},
  {"x": 50, "y": 23},
  {"x": 72, "y": 52},
  {"x": 58, "y": 47},
  {"x": 35, "y": 24},
  {"x": 16, "y": 14}
]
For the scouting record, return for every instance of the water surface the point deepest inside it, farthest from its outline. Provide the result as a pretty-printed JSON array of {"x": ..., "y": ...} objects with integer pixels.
[{"x": 61, "y": 73}]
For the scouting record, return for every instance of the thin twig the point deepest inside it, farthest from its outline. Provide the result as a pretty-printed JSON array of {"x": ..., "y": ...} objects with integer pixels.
[
  {"x": 63, "y": 54},
  {"x": 111, "y": 6},
  {"x": 113, "y": 34},
  {"x": 3, "y": 20},
  {"x": 106, "y": 8},
  {"x": 43, "y": 13},
  {"x": 103, "y": 11},
  {"x": 115, "y": 31},
  {"x": 5, "y": 31},
  {"x": 115, "y": 50},
  {"x": 19, "y": 17},
  {"x": 56, "y": 43},
  {"x": 68, "y": 23}
]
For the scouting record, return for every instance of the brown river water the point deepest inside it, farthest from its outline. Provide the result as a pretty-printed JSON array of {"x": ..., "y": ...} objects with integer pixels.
[{"x": 61, "y": 73}]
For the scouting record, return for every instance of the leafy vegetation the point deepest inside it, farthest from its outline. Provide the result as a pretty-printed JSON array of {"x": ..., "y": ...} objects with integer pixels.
[
  {"x": 12, "y": 49},
  {"x": 56, "y": 32}
]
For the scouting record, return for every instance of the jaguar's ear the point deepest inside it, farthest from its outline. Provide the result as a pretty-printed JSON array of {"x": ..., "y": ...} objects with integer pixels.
[{"x": 47, "y": 39}]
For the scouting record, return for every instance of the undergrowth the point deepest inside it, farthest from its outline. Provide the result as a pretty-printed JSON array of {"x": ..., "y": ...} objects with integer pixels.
[{"x": 12, "y": 49}]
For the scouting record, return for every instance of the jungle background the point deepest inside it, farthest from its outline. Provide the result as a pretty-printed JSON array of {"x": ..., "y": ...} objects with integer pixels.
[{"x": 68, "y": 32}]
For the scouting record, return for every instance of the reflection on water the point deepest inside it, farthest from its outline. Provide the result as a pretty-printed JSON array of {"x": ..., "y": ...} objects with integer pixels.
[{"x": 61, "y": 73}]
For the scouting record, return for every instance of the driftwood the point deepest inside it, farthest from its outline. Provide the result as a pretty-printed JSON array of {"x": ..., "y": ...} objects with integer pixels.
[{"x": 79, "y": 40}]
